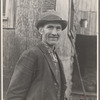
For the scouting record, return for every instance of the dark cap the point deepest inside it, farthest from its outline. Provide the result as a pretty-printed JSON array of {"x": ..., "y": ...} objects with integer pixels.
[{"x": 48, "y": 17}]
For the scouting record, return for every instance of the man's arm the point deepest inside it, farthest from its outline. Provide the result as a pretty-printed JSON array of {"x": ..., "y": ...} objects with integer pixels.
[{"x": 22, "y": 77}]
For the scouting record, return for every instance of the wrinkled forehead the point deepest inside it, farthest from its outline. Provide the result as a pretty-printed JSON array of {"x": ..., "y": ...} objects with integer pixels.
[{"x": 55, "y": 24}]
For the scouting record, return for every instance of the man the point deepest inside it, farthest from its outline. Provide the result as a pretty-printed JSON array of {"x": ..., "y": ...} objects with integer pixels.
[{"x": 39, "y": 74}]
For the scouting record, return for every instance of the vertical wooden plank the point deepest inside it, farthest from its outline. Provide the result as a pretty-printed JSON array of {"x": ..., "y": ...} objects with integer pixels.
[
  {"x": 10, "y": 13},
  {"x": 92, "y": 24},
  {"x": 87, "y": 29},
  {"x": 87, "y": 5},
  {"x": 96, "y": 23},
  {"x": 88, "y": 26},
  {"x": 63, "y": 8},
  {"x": 14, "y": 12}
]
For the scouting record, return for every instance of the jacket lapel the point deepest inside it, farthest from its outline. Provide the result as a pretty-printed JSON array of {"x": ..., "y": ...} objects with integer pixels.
[
  {"x": 49, "y": 59},
  {"x": 63, "y": 79}
]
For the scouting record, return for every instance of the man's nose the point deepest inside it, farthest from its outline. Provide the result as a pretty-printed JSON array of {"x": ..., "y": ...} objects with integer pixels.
[{"x": 54, "y": 31}]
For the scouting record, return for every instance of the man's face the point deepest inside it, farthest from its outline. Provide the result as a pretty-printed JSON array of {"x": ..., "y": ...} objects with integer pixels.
[{"x": 51, "y": 33}]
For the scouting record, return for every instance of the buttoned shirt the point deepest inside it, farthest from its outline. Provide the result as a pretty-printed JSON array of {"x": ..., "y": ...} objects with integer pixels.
[{"x": 55, "y": 60}]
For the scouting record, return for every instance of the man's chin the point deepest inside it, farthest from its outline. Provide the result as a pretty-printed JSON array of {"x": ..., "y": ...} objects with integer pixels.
[{"x": 52, "y": 43}]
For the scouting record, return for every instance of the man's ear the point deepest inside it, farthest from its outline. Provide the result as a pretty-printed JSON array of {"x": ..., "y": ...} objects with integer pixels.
[{"x": 41, "y": 30}]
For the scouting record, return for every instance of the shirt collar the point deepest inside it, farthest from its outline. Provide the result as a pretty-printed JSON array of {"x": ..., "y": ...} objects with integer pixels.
[{"x": 50, "y": 50}]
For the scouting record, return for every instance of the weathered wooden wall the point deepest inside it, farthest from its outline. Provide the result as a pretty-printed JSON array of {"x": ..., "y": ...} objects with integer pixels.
[
  {"x": 86, "y": 5},
  {"x": 85, "y": 9},
  {"x": 91, "y": 17},
  {"x": 10, "y": 56}
]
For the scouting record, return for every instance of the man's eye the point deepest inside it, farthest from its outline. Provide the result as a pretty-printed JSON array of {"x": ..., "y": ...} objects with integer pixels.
[{"x": 58, "y": 28}]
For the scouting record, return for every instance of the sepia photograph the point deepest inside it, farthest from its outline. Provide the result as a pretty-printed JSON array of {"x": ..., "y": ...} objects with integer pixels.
[{"x": 49, "y": 50}]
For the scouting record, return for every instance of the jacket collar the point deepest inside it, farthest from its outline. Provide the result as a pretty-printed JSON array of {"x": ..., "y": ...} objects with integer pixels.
[
  {"x": 51, "y": 63},
  {"x": 48, "y": 58}
]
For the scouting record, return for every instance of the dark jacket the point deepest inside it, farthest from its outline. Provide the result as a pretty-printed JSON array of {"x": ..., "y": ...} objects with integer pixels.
[{"x": 34, "y": 77}]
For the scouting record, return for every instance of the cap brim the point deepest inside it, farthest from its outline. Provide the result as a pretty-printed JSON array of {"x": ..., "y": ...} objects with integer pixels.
[{"x": 43, "y": 22}]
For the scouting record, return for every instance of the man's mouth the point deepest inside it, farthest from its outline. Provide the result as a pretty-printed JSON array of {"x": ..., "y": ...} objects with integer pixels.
[{"x": 53, "y": 37}]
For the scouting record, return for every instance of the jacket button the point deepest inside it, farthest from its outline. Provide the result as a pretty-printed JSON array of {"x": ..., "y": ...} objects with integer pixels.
[{"x": 55, "y": 83}]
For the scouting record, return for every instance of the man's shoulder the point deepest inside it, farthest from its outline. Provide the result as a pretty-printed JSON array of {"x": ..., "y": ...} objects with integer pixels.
[
  {"x": 31, "y": 53},
  {"x": 33, "y": 50}
]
